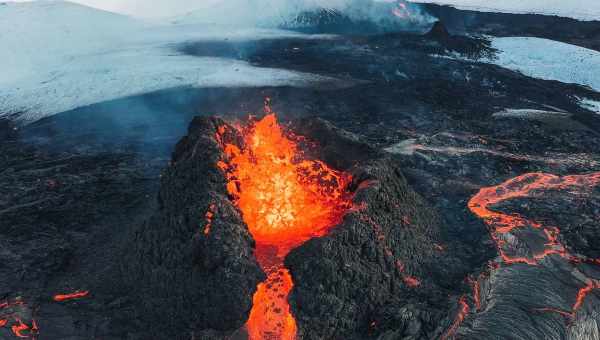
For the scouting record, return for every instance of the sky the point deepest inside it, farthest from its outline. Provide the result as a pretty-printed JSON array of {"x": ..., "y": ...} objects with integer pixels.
[{"x": 146, "y": 8}]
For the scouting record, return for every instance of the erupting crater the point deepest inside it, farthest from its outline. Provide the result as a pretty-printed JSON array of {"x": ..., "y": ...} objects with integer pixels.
[{"x": 285, "y": 198}]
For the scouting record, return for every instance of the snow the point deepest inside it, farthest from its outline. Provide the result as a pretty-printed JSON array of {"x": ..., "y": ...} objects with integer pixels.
[
  {"x": 577, "y": 9},
  {"x": 548, "y": 59},
  {"x": 589, "y": 104},
  {"x": 530, "y": 114},
  {"x": 57, "y": 56}
]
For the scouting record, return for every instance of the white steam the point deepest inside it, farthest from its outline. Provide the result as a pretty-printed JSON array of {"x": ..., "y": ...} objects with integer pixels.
[{"x": 273, "y": 13}]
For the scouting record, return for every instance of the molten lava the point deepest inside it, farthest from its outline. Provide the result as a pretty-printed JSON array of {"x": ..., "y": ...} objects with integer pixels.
[
  {"x": 70, "y": 296},
  {"x": 463, "y": 310},
  {"x": 285, "y": 199}
]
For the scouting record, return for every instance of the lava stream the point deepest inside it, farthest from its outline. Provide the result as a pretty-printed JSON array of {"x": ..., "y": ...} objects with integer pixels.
[
  {"x": 70, "y": 296},
  {"x": 526, "y": 185},
  {"x": 285, "y": 200},
  {"x": 463, "y": 310}
]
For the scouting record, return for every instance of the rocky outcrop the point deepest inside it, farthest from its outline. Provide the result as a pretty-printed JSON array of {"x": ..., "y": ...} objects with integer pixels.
[
  {"x": 192, "y": 263},
  {"x": 381, "y": 271}
]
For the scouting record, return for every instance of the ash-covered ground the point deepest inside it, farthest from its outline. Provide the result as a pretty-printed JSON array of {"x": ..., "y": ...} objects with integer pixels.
[{"x": 430, "y": 123}]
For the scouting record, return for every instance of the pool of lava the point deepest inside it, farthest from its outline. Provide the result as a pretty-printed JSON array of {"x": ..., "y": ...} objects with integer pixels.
[{"x": 286, "y": 198}]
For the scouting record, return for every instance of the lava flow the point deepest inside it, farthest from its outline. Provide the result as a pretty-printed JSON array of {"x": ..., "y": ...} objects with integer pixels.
[
  {"x": 501, "y": 224},
  {"x": 524, "y": 186},
  {"x": 285, "y": 199},
  {"x": 70, "y": 296}
]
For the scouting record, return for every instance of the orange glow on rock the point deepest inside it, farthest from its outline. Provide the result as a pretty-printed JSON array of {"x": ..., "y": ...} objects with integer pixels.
[
  {"x": 70, "y": 296},
  {"x": 208, "y": 217},
  {"x": 411, "y": 281},
  {"x": 12, "y": 312},
  {"x": 583, "y": 292},
  {"x": 19, "y": 329},
  {"x": 285, "y": 199},
  {"x": 463, "y": 310}
]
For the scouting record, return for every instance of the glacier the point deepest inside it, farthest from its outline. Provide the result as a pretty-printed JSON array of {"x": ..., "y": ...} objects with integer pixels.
[{"x": 59, "y": 56}]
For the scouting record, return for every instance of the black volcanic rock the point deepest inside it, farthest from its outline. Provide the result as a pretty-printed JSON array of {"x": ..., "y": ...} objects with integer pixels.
[
  {"x": 7, "y": 130},
  {"x": 186, "y": 278},
  {"x": 471, "y": 47},
  {"x": 438, "y": 32},
  {"x": 360, "y": 281}
]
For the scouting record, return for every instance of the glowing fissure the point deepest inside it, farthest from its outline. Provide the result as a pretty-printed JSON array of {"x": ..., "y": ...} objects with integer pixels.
[
  {"x": 70, "y": 296},
  {"x": 285, "y": 199},
  {"x": 208, "y": 218},
  {"x": 410, "y": 281},
  {"x": 463, "y": 310}
]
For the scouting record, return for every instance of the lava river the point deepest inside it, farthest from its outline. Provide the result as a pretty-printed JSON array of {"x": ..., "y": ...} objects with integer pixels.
[
  {"x": 503, "y": 227},
  {"x": 285, "y": 199}
]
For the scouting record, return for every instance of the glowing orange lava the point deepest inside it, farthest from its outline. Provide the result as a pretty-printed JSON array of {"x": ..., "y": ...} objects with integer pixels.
[
  {"x": 463, "y": 310},
  {"x": 70, "y": 296},
  {"x": 208, "y": 217},
  {"x": 285, "y": 199}
]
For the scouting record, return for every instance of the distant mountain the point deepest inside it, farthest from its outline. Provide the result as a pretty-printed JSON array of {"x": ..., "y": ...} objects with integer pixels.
[{"x": 341, "y": 16}]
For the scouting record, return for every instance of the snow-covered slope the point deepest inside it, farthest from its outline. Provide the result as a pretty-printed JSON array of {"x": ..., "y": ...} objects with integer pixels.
[
  {"x": 591, "y": 105},
  {"x": 57, "y": 56},
  {"x": 548, "y": 59},
  {"x": 578, "y": 9}
]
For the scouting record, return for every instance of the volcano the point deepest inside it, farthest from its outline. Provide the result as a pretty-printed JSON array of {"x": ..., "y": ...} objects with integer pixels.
[
  {"x": 287, "y": 222},
  {"x": 404, "y": 179}
]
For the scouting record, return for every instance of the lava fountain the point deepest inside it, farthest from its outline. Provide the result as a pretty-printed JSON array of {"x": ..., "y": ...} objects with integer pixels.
[{"x": 285, "y": 199}]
